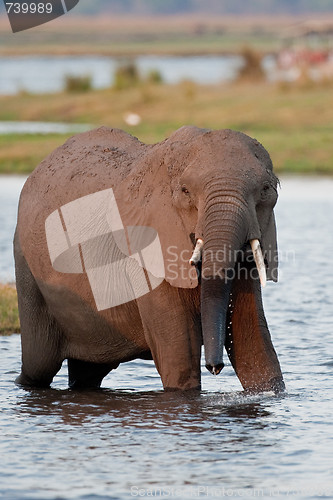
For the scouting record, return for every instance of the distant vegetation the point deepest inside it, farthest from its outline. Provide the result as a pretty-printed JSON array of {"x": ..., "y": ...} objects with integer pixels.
[
  {"x": 238, "y": 7},
  {"x": 211, "y": 7},
  {"x": 203, "y": 32},
  {"x": 128, "y": 76},
  {"x": 252, "y": 70},
  {"x": 293, "y": 121},
  {"x": 9, "y": 320},
  {"x": 78, "y": 83}
]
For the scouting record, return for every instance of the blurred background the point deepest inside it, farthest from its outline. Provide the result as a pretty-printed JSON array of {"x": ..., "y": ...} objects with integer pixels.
[{"x": 150, "y": 66}]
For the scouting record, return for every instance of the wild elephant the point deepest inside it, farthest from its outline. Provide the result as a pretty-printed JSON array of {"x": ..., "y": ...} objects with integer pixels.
[{"x": 125, "y": 250}]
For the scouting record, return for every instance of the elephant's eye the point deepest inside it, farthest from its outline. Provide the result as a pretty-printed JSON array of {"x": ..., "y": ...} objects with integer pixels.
[
  {"x": 185, "y": 190},
  {"x": 265, "y": 191}
]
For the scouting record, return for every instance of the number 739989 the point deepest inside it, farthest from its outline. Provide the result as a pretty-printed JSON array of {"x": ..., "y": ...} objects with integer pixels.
[{"x": 29, "y": 8}]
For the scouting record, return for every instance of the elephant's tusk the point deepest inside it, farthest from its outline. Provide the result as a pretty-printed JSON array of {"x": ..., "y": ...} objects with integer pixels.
[
  {"x": 259, "y": 260},
  {"x": 197, "y": 252}
]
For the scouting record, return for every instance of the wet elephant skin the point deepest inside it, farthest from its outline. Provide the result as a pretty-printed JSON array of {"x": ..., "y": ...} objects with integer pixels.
[{"x": 106, "y": 228}]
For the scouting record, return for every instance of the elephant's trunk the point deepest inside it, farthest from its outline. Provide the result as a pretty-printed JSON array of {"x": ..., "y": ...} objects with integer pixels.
[{"x": 224, "y": 234}]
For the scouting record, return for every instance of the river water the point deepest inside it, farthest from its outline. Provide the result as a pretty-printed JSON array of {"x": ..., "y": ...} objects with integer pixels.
[
  {"x": 40, "y": 74},
  {"x": 132, "y": 440}
]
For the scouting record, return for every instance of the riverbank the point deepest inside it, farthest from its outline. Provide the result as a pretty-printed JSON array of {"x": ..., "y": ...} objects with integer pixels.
[
  {"x": 294, "y": 122},
  {"x": 9, "y": 320},
  {"x": 131, "y": 36}
]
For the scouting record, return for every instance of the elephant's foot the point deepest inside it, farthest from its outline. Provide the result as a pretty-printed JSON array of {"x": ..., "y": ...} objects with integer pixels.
[
  {"x": 29, "y": 383},
  {"x": 84, "y": 375},
  {"x": 195, "y": 388},
  {"x": 186, "y": 379},
  {"x": 276, "y": 385}
]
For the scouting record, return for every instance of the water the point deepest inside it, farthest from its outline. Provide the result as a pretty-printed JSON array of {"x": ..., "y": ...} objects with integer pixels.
[
  {"x": 133, "y": 440},
  {"x": 10, "y": 188},
  {"x": 11, "y": 127},
  {"x": 39, "y": 74}
]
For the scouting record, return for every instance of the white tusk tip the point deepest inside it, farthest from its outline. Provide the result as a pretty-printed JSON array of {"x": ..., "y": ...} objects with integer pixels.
[
  {"x": 197, "y": 252},
  {"x": 259, "y": 260}
]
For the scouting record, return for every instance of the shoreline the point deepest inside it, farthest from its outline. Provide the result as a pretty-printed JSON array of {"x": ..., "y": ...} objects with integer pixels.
[
  {"x": 181, "y": 34},
  {"x": 9, "y": 323}
]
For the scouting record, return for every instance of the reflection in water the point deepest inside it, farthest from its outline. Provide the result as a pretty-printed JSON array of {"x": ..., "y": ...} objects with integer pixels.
[
  {"x": 59, "y": 443},
  {"x": 155, "y": 410},
  {"x": 108, "y": 442}
]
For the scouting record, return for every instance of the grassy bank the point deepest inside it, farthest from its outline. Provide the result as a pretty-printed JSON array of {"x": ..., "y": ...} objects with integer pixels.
[
  {"x": 129, "y": 36},
  {"x": 295, "y": 124},
  {"x": 21, "y": 153},
  {"x": 9, "y": 321}
]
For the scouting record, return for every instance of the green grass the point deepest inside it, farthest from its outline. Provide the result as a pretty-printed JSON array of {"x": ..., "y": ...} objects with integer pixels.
[
  {"x": 9, "y": 320},
  {"x": 21, "y": 153},
  {"x": 294, "y": 124}
]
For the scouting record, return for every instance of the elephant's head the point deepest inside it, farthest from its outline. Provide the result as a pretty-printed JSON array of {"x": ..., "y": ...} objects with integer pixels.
[{"x": 212, "y": 195}]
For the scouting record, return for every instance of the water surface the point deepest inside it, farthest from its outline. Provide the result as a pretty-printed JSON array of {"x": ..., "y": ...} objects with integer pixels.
[
  {"x": 40, "y": 74},
  {"x": 10, "y": 188},
  {"x": 24, "y": 127},
  {"x": 133, "y": 440}
]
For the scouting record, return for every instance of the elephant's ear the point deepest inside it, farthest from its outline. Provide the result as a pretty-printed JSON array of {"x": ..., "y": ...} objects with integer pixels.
[
  {"x": 177, "y": 231},
  {"x": 173, "y": 237},
  {"x": 177, "y": 247},
  {"x": 148, "y": 200},
  {"x": 269, "y": 242}
]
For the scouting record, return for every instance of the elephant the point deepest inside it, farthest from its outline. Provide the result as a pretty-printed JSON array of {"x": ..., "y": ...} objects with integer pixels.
[{"x": 126, "y": 250}]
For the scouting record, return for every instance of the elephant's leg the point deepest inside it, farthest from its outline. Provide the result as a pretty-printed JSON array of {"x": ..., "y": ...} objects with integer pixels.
[
  {"x": 173, "y": 333},
  {"x": 248, "y": 341},
  {"x": 87, "y": 375},
  {"x": 40, "y": 335},
  {"x": 40, "y": 340}
]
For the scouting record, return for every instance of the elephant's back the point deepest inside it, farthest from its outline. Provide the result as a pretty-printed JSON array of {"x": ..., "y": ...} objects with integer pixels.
[
  {"x": 88, "y": 163},
  {"x": 85, "y": 163}
]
